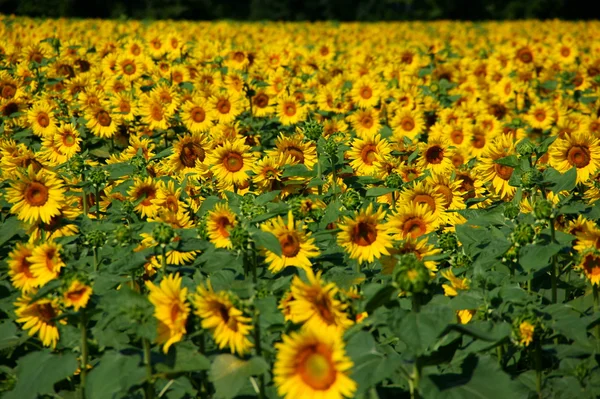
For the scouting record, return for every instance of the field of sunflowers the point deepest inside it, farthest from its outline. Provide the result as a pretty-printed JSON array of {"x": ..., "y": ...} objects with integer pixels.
[{"x": 299, "y": 210}]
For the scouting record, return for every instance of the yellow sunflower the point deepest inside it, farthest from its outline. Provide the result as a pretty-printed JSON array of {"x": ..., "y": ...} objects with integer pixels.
[
  {"x": 188, "y": 151},
  {"x": 219, "y": 222},
  {"x": 419, "y": 247},
  {"x": 268, "y": 172},
  {"x": 407, "y": 123},
  {"x": 231, "y": 162},
  {"x": 297, "y": 148},
  {"x": 435, "y": 155},
  {"x": 413, "y": 220},
  {"x": 170, "y": 309},
  {"x": 310, "y": 364},
  {"x": 228, "y": 325},
  {"x": 20, "y": 268},
  {"x": 365, "y": 236},
  {"x": 39, "y": 317},
  {"x": 315, "y": 305},
  {"x": 422, "y": 193},
  {"x": 196, "y": 115},
  {"x": 578, "y": 150},
  {"x": 365, "y": 151},
  {"x": 142, "y": 192},
  {"x": 45, "y": 262},
  {"x": 77, "y": 295},
  {"x": 297, "y": 246},
  {"x": 366, "y": 92},
  {"x": 289, "y": 110},
  {"x": 590, "y": 265},
  {"x": 101, "y": 122},
  {"x": 226, "y": 106},
  {"x": 365, "y": 121},
  {"x": 493, "y": 172},
  {"x": 35, "y": 195},
  {"x": 42, "y": 119},
  {"x": 540, "y": 116}
]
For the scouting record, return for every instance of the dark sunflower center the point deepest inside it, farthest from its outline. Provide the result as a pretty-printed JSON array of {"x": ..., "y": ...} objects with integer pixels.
[
  {"x": 425, "y": 199},
  {"x": 367, "y": 121},
  {"x": 43, "y": 119},
  {"x": 478, "y": 140},
  {"x": 366, "y": 92},
  {"x": 76, "y": 295},
  {"x": 505, "y": 172},
  {"x": 261, "y": 100},
  {"x": 289, "y": 109},
  {"x": 407, "y": 124},
  {"x": 579, "y": 156},
  {"x": 190, "y": 153},
  {"x": 233, "y": 162},
  {"x": 364, "y": 234},
  {"x": 316, "y": 368},
  {"x": 46, "y": 312},
  {"x": 290, "y": 244},
  {"x": 198, "y": 114},
  {"x": 8, "y": 90},
  {"x": 103, "y": 118},
  {"x": 414, "y": 227},
  {"x": 129, "y": 68},
  {"x": 36, "y": 194},
  {"x": 223, "y": 106},
  {"x": 434, "y": 154},
  {"x": 447, "y": 195},
  {"x": 525, "y": 55},
  {"x": 369, "y": 154}
]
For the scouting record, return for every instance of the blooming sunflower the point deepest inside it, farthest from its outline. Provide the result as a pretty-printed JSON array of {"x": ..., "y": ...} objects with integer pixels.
[
  {"x": 365, "y": 121},
  {"x": 231, "y": 162},
  {"x": 297, "y": 148},
  {"x": 297, "y": 246},
  {"x": 196, "y": 115},
  {"x": 365, "y": 236},
  {"x": 226, "y": 106},
  {"x": 268, "y": 172},
  {"x": 39, "y": 317},
  {"x": 262, "y": 104},
  {"x": 77, "y": 295},
  {"x": 422, "y": 193},
  {"x": 219, "y": 223},
  {"x": 228, "y": 325},
  {"x": 101, "y": 122},
  {"x": 310, "y": 364},
  {"x": 435, "y": 155},
  {"x": 413, "y": 220},
  {"x": 452, "y": 197},
  {"x": 589, "y": 264},
  {"x": 578, "y": 150},
  {"x": 188, "y": 151},
  {"x": 42, "y": 119},
  {"x": 365, "y": 151},
  {"x": 45, "y": 262},
  {"x": 419, "y": 247},
  {"x": 407, "y": 123},
  {"x": 170, "y": 309},
  {"x": 366, "y": 92},
  {"x": 540, "y": 116},
  {"x": 289, "y": 110},
  {"x": 35, "y": 195},
  {"x": 316, "y": 306},
  {"x": 493, "y": 172},
  {"x": 20, "y": 268},
  {"x": 142, "y": 192}
]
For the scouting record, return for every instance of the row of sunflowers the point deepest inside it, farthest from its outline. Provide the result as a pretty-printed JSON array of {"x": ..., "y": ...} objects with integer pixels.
[{"x": 194, "y": 209}]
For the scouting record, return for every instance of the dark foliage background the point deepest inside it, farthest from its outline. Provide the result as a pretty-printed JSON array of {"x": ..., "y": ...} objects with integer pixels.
[{"x": 294, "y": 10}]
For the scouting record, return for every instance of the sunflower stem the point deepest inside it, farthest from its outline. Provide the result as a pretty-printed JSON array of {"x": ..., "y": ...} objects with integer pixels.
[
  {"x": 538, "y": 369},
  {"x": 84, "y": 354},
  {"x": 319, "y": 175},
  {"x": 163, "y": 261},
  {"x": 96, "y": 261},
  {"x": 553, "y": 274},
  {"x": 596, "y": 308},
  {"x": 261, "y": 378},
  {"x": 97, "y": 199},
  {"x": 149, "y": 389},
  {"x": 416, "y": 304},
  {"x": 84, "y": 201},
  {"x": 415, "y": 379},
  {"x": 393, "y": 200},
  {"x": 500, "y": 354}
]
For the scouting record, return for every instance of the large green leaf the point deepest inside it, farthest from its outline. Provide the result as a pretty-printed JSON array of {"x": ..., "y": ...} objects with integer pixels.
[
  {"x": 37, "y": 372},
  {"x": 114, "y": 376},
  {"x": 185, "y": 357},
  {"x": 229, "y": 374}
]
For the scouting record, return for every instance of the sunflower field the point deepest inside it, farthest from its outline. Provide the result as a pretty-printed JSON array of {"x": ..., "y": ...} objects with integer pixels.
[{"x": 299, "y": 210}]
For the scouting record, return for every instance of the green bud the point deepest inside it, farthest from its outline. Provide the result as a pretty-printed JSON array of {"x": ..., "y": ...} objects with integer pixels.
[
  {"x": 522, "y": 234},
  {"x": 531, "y": 178},
  {"x": 331, "y": 147},
  {"x": 460, "y": 260},
  {"x": 313, "y": 130},
  {"x": 202, "y": 229},
  {"x": 95, "y": 239},
  {"x": 511, "y": 211},
  {"x": 219, "y": 60},
  {"x": 77, "y": 164},
  {"x": 525, "y": 148},
  {"x": 394, "y": 180},
  {"x": 448, "y": 242},
  {"x": 410, "y": 274},
  {"x": 139, "y": 163},
  {"x": 249, "y": 208},
  {"x": 163, "y": 234},
  {"x": 351, "y": 199},
  {"x": 123, "y": 235},
  {"x": 542, "y": 209},
  {"x": 98, "y": 177},
  {"x": 239, "y": 238}
]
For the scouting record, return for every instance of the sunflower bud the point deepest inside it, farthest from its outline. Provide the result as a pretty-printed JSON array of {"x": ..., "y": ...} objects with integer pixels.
[
  {"x": 543, "y": 210},
  {"x": 525, "y": 148},
  {"x": 460, "y": 260},
  {"x": 139, "y": 164},
  {"x": 163, "y": 234},
  {"x": 123, "y": 235},
  {"x": 394, "y": 180},
  {"x": 249, "y": 208},
  {"x": 351, "y": 199},
  {"x": 239, "y": 238},
  {"x": 95, "y": 239},
  {"x": 202, "y": 229},
  {"x": 313, "y": 130},
  {"x": 526, "y": 329},
  {"x": 448, "y": 242},
  {"x": 331, "y": 147},
  {"x": 522, "y": 234},
  {"x": 76, "y": 164},
  {"x": 98, "y": 177},
  {"x": 511, "y": 211},
  {"x": 410, "y": 274},
  {"x": 531, "y": 178}
]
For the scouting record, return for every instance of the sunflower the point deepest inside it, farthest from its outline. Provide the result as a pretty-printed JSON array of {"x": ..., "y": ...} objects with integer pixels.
[
  {"x": 153, "y": 113},
  {"x": 42, "y": 119},
  {"x": 35, "y": 195},
  {"x": 226, "y": 106},
  {"x": 67, "y": 140},
  {"x": 589, "y": 264},
  {"x": 365, "y": 236},
  {"x": 142, "y": 192},
  {"x": 526, "y": 333},
  {"x": 435, "y": 155},
  {"x": 407, "y": 123},
  {"x": 452, "y": 197},
  {"x": 479, "y": 139},
  {"x": 262, "y": 104},
  {"x": 422, "y": 193},
  {"x": 310, "y": 364},
  {"x": 298, "y": 149},
  {"x": 365, "y": 151},
  {"x": 219, "y": 223},
  {"x": 419, "y": 247},
  {"x": 470, "y": 185},
  {"x": 77, "y": 295},
  {"x": 196, "y": 115},
  {"x": 413, "y": 220},
  {"x": 578, "y": 150},
  {"x": 20, "y": 268},
  {"x": 456, "y": 284},
  {"x": 101, "y": 122},
  {"x": 297, "y": 246},
  {"x": 130, "y": 67},
  {"x": 540, "y": 116},
  {"x": 61, "y": 225},
  {"x": 289, "y": 110},
  {"x": 188, "y": 151},
  {"x": 268, "y": 172},
  {"x": 39, "y": 317},
  {"x": 366, "y": 92},
  {"x": 493, "y": 172},
  {"x": 315, "y": 305},
  {"x": 228, "y": 325},
  {"x": 170, "y": 309},
  {"x": 365, "y": 121},
  {"x": 231, "y": 162},
  {"x": 45, "y": 262}
]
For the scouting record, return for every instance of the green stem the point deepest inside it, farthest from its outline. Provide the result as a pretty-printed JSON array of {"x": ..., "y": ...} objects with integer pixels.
[
  {"x": 393, "y": 200},
  {"x": 261, "y": 378},
  {"x": 319, "y": 176},
  {"x": 85, "y": 201},
  {"x": 596, "y": 308},
  {"x": 203, "y": 375},
  {"x": 148, "y": 363},
  {"x": 96, "y": 261},
  {"x": 84, "y": 354},
  {"x": 553, "y": 270},
  {"x": 416, "y": 304},
  {"x": 334, "y": 177},
  {"x": 97, "y": 203},
  {"x": 415, "y": 380},
  {"x": 538, "y": 369},
  {"x": 500, "y": 354},
  {"x": 163, "y": 261}
]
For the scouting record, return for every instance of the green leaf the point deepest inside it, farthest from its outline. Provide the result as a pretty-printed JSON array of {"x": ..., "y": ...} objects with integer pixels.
[
  {"x": 537, "y": 256},
  {"x": 8, "y": 229},
  {"x": 229, "y": 374},
  {"x": 380, "y": 298},
  {"x": 266, "y": 197},
  {"x": 184, "y": 358},
  {"x": 193, "y": 244},
  {"x": 378, "y": 191},
  {"x": 114, "y": 376},
  {"x": 163, "y": 154},
  {"x": 484, "y": 330},
  {"x": 558, "y": 182},
  {"x": 37, "y": 372},
  {"x": 120, "y": 170},
  {"x": 207, "y": 205},
  {"x": 8, "y": 334},
  {"x": 266, "y": 240},
  {"x": 299, "y": 170},
  {"x": 510, "y": 160}
]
